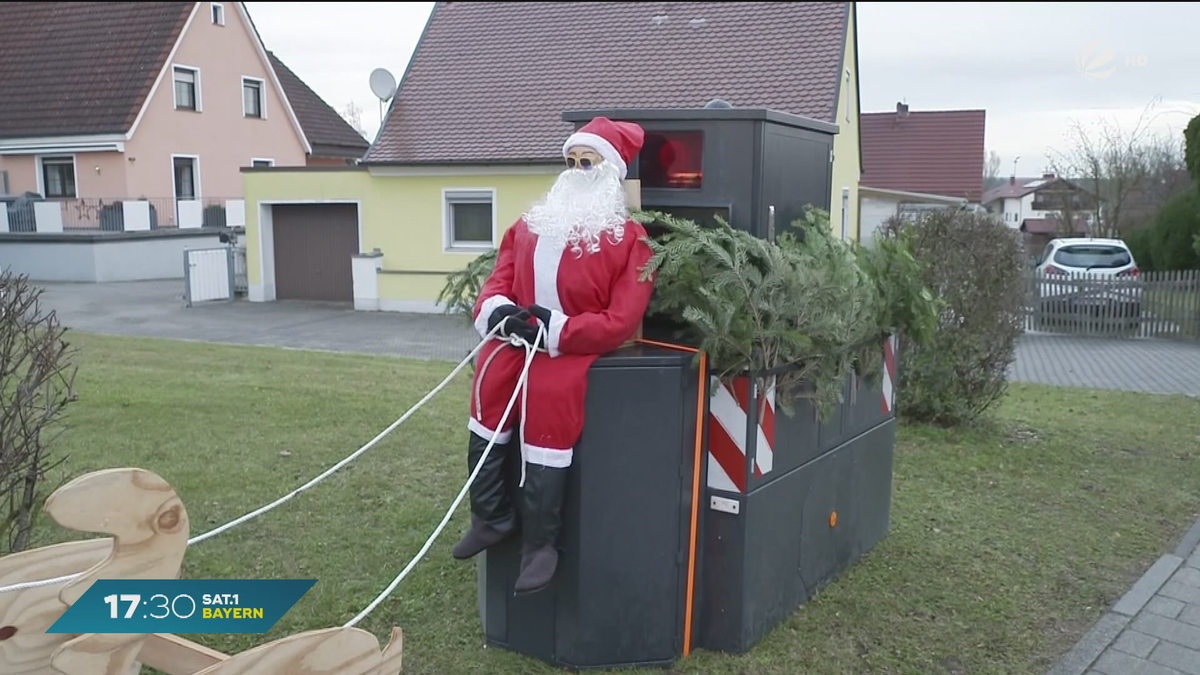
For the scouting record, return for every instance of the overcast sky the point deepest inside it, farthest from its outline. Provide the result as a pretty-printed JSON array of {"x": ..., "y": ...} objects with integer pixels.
[{"x": 1033, "y": 67}]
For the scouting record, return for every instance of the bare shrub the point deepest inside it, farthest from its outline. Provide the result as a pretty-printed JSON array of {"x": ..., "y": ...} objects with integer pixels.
[{"x": 36, "y": 384}]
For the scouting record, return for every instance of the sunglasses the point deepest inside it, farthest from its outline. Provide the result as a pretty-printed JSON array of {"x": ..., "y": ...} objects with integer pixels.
[{"x": 584, "y": 163}]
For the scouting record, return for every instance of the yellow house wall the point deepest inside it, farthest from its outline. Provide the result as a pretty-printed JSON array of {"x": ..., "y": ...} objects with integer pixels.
[
  {"x": 847, "y": 169},
  {"x": 402, "y": 216}
]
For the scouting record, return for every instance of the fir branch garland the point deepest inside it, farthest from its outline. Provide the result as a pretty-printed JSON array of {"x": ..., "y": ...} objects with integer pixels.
[
  {"x": 806, "y": 310},
  {"x": 797, "y": 310}
]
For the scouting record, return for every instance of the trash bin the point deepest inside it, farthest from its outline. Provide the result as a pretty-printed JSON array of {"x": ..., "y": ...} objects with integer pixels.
[{"x": 619, "y": 597}]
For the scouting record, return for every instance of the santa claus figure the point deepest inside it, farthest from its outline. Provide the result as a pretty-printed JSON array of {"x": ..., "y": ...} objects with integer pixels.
[{"x": 571, "y": 264}]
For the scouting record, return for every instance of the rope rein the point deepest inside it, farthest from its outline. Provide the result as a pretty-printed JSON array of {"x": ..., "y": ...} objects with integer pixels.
[
  {"x": 530, "y": 352},
  {"x": 492, "y": 334}
]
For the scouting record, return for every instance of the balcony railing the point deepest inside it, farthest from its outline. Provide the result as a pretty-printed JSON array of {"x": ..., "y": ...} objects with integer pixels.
[{"x": 119, "y": 214}]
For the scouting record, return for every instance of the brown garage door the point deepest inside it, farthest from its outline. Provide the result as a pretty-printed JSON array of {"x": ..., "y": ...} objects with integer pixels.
[{"x": 314, "y": 244}]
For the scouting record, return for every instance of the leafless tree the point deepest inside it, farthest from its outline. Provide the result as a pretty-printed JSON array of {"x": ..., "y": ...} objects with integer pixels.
[
  {"x": 353, "y": 116},
  {"x": 1129, "y": 175},
  {"x": 36, "y": 384},
  {"x": 991, "y": 171}
]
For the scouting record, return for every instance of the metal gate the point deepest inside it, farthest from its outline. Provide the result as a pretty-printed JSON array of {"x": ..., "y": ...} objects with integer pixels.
[{"x": 208, "y": 274}]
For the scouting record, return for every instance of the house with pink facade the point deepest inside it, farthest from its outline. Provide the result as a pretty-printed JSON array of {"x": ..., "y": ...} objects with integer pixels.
[{"x": 141, "y": 115}]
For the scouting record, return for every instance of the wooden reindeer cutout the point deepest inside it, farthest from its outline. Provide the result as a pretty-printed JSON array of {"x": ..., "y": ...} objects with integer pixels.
[{"x": 149, "y": 528}]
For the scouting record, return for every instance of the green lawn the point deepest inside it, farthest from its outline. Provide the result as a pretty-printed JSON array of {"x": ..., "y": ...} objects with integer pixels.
[{"x": 1006, "y": 544}]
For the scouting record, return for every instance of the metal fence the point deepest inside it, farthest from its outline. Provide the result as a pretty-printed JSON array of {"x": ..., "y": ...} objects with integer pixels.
[
  {"x": 109, "y": 214},
  {"x": 1148, "y": 305}
]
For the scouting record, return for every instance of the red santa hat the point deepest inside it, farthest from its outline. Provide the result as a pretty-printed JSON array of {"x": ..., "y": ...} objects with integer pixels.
[{"x": 617, "y": 142}]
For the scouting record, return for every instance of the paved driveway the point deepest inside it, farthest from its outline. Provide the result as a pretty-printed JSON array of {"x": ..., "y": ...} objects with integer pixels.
[
  {"x": 1146, "y": 365},
  {"x": 157, "y": 309}
]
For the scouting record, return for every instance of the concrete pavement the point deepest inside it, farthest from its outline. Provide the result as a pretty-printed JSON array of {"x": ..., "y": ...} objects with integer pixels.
[
  {"x": 1154, "y": 629},
  {"x": 157, "y": 309}
]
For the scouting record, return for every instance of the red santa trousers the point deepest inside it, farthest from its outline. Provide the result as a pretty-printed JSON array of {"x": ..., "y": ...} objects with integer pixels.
[{"x": 596, "y": 300}]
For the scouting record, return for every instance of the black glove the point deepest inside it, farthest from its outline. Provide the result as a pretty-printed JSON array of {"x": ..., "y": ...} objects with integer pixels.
[
  {"x": 503, "y": 313},
  {"x": 526, "y": 331},
  {"x": 541, "y": 313}
]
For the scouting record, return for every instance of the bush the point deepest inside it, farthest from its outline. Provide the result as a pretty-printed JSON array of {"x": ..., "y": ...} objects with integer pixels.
[
  {"x": 1191, "y": 148},
  {"x": 36, "y": 384},
  {"x": 1175, "y": 231},
  {"x": 463, "y": 286},
  {"x": 976, "y": 267},
  {"x": 1141, "y": 244}
]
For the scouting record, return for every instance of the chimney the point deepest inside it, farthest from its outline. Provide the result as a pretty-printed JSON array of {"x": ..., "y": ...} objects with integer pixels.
[
  {"x": 1048, "y": 175},
  {"x": 901, "y": 110},
  {"x": 1012, "y": 180}
]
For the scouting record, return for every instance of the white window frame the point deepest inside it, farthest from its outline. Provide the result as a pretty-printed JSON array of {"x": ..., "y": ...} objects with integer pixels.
[
  {"x": 262, "y": 97},
  {"x": 174, "y": 94},
  {"x": 41, "y": 174},
  {"x": 195, "y": 167},
  {"x": 465, "y": 195},
  {"x": 270, "y": 162},
  {"x": 215, "y": 7}
]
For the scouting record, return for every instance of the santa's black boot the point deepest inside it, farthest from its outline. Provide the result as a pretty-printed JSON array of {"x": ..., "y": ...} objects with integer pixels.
[
  {"x": 492, "y": 514},
  {"x": 541, "y": 521}
]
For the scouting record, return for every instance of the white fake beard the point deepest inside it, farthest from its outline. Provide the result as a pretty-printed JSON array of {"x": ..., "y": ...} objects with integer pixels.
[{"x": 581, "y": 207}]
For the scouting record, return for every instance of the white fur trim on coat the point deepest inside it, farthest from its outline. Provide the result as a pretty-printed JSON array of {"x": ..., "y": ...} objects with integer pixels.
[
  {"x": 485, "y": 312},
  {"x": 600, "y": 145},
  {"x": 554, "y": 458},
  {"x": 558, "y": 321}
]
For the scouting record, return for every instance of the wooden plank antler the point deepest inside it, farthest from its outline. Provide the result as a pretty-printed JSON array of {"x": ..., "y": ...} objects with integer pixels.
[{"x": 149, "y": 530}]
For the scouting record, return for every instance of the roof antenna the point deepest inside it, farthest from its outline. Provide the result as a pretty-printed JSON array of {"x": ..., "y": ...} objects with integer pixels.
[{"x": 383, "y": 85}]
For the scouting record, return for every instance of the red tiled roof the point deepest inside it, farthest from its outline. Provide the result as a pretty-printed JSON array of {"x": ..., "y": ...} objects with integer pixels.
[
  {"x": 327, "y": 131},
  {"x": 489, "y": 81},
  {"x": 75, "y": 68},
  {"x": 935, "y": 152}
]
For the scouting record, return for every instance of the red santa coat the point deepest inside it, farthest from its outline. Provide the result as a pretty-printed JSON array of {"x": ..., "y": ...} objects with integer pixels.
[{"x": 596, "y": 302}]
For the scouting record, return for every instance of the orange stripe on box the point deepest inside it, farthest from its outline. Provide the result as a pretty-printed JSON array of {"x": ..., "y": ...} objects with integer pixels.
[{"x": 699, "y": 456}]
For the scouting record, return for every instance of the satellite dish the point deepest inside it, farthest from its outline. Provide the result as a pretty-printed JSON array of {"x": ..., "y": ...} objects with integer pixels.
[{"x": 383, "y": 85}]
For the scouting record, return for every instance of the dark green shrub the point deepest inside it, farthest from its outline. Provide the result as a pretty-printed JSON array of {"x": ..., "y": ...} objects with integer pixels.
[
  {"x": 976, "y": 267},
  {"x": 1191, "y": 148},
  {"x": 1175, "y": 232},
  {"x": 1141, "y": 244}
]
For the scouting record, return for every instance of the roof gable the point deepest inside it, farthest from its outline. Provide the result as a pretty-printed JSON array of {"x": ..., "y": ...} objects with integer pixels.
[
  {"x": 489, "y": 81},
  {"x": 327, "y": 131},
  {"x": 1018, "y": 188},
  {"x": 933, "y": 152},
  {"x": 81, "y": 68}
]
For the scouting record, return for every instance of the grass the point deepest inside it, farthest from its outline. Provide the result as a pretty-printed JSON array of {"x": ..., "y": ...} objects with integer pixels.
[{"x": 1006, "y": 542}]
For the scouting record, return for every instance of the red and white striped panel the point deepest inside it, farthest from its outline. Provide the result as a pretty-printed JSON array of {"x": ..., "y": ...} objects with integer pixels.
[
  {"x": 728, "y": 408},
  {"x": 889, "y": 374}
]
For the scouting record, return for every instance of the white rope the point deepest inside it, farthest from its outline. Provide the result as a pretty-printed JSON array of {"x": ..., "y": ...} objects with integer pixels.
[
  {"x": 530, "y": 352},
  {"x": 278, "y": 502}
]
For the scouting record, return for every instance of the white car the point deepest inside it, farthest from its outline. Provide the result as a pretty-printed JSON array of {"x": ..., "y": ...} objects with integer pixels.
[{"x": 1098, "y": 276}]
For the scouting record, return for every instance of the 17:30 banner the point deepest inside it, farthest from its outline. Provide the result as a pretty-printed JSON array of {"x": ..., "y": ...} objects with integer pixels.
[{"x": 182, "y": 606}]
